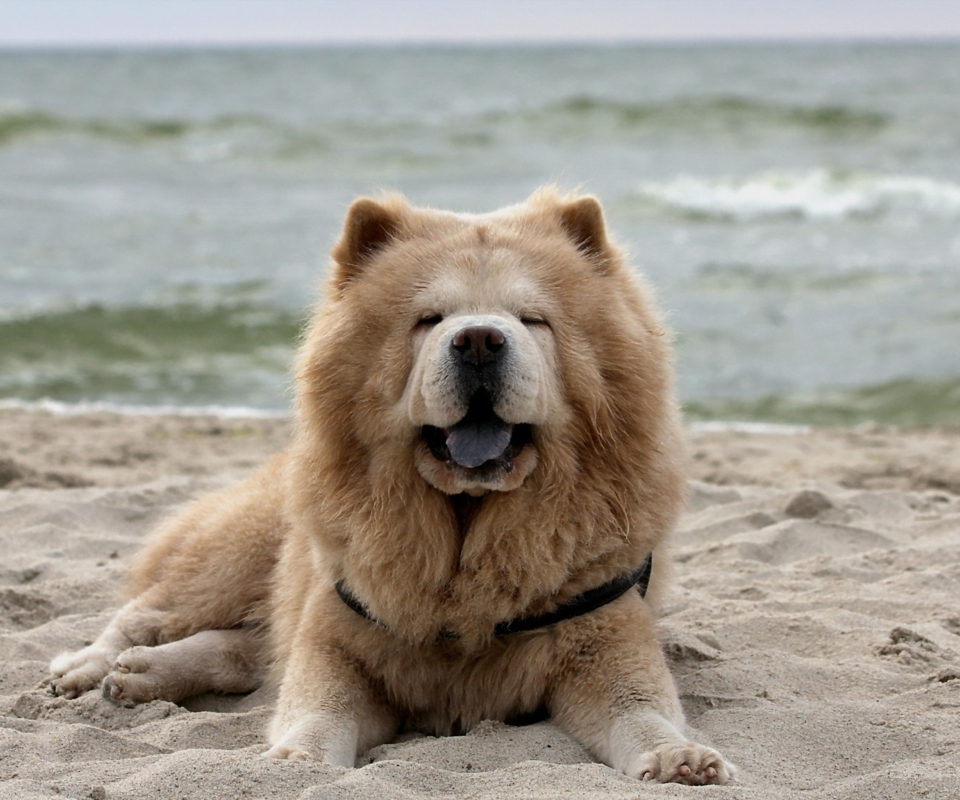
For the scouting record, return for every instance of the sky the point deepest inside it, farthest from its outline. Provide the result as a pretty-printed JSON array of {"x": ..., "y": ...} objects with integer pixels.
[{"x": 252, "y": 22}]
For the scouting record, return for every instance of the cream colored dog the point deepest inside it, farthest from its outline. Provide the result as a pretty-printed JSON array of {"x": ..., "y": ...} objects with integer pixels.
[{"x": 487, "y": 458}]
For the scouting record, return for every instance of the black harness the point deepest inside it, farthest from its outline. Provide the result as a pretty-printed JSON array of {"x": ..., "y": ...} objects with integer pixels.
[{"x": 590, "y": 600}]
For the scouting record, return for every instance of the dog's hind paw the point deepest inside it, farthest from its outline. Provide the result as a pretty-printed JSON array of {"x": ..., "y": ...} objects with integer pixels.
[{"x": 72, "y": 674}]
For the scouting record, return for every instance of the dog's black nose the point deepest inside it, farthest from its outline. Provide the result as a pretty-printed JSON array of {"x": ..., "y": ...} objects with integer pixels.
[{"x": 478, "y": 344}]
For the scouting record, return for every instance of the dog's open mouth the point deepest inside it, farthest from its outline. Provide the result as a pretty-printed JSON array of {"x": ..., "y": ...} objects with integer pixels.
[{"x": 479, "y": 441}]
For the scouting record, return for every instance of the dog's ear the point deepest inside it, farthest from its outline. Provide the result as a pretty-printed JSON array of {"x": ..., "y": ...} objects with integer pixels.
[
  {"x": 582, "y": 220},
  {"x": 369, "y": 227}
]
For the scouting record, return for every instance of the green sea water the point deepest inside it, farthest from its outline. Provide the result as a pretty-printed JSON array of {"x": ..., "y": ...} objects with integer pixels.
[{"x": 165, "y": 216}]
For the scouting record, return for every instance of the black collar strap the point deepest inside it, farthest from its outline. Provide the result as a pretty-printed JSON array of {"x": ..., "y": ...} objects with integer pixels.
[{"x": 590, "y": 600}]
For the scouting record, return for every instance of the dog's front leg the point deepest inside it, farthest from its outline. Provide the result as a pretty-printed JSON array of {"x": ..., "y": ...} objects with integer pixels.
[
  {"x": 616, "y": 696},
  {"x": 327, "y": 710}
]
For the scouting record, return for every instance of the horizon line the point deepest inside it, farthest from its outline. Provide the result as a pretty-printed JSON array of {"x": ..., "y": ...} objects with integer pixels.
[{"x": 241, "y": 44}]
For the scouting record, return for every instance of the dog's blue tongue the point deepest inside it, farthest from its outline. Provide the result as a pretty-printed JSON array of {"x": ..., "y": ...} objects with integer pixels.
[{"x": 474, "y": 441}]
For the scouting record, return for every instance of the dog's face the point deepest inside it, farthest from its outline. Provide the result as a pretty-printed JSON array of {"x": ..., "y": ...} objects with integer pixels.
[
  {"x": 484, "y": 378},
  {"x": 469, "y": 343}
]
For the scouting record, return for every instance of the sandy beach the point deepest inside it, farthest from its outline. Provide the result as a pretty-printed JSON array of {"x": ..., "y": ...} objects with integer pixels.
[{"x": 814, "y": 630}]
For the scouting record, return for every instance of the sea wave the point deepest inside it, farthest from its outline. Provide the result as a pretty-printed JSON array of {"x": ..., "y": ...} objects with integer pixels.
[
  {"x": 146, "y": 332},
  {"x": 820, "y": 194},
  {"x": 252, "y": 134},
  {"x": 908, "y": 402},
  {"x": 182, "y": 353},
  {"x": 219, "y": 137},
  {"x": 18, "y": 123},
  {"x": 723, "y": 111}
]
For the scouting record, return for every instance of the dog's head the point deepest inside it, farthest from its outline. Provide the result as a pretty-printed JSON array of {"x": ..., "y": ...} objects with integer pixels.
[{"x": 473, "y": 342}]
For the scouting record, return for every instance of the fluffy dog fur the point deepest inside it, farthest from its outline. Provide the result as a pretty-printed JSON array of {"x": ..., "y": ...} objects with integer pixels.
[{"x": 523, "y": 324}]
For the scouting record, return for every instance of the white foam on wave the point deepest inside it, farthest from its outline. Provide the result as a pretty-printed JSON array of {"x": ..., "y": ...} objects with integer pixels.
[
  {"x": 734, "y": 426},
  {"x": 75, "y": 409},
  {"x": 814, "y": 194}
]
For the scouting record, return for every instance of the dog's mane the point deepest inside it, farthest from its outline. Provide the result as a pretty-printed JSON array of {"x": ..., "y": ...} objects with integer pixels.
[{"x": 605, "y": 490}]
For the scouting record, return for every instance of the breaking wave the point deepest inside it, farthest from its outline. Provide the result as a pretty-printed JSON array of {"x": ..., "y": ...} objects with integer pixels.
[
  {"x": 178, "y": 354},
  {"x": 816, "y": 194}
]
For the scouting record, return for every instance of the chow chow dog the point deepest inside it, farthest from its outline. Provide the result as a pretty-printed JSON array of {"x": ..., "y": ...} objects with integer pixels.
[{"x": 469, "y": 522}]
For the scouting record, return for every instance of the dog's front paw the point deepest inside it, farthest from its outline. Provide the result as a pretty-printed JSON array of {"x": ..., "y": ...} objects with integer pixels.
[
  {"x": 683, "y": 762},
  {"x": 285, "y": 753},
  {"x": 322, "y": 736}
]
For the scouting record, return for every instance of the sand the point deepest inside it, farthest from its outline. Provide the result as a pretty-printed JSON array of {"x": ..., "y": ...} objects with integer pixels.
[{"x": 814, "y": 631}]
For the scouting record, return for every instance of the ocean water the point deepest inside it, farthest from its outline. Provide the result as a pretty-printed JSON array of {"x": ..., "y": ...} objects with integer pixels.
[{"x": 165, "y": 216}]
